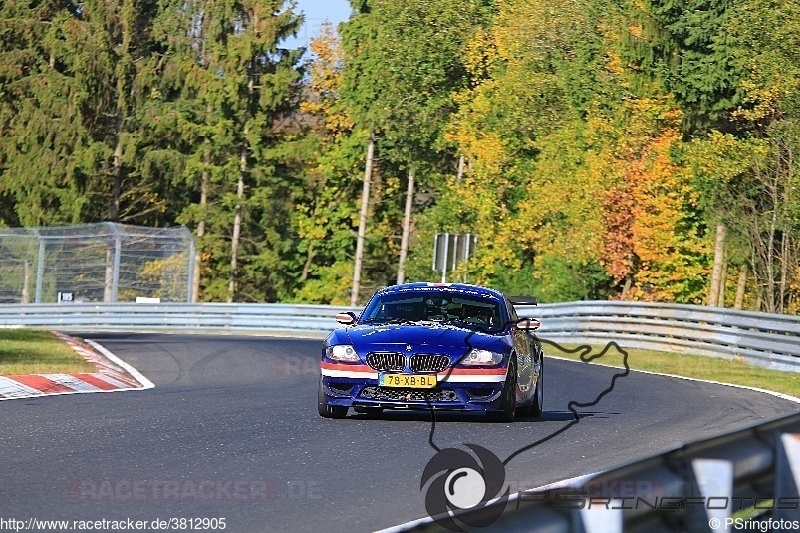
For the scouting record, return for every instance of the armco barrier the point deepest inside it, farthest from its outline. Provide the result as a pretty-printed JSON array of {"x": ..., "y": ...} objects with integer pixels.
[
  {"x": 763, "y": 339},
  {"x": 177, "y": 317}
]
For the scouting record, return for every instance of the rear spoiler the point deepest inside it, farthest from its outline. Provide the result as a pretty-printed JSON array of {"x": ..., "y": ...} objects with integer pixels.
[{"x": 524, "y": 300}]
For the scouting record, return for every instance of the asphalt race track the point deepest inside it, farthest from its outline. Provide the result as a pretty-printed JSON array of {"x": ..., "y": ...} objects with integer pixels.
[{"x": 231, "y": 431}]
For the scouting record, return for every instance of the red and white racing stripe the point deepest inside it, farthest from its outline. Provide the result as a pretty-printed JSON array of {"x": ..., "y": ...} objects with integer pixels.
[
  {"x": 344, "y": 370},
  {"x": 473, "y": 375}
]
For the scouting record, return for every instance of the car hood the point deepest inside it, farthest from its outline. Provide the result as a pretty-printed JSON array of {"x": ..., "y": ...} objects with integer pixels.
[{"x": 423, "y": 338}]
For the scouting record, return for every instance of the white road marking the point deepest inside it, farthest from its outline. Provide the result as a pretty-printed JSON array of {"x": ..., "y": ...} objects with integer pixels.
[{"x": 10, "y": 389}]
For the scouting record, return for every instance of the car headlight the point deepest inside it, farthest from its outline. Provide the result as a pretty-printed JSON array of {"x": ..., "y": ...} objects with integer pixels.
[
  {"x": 342, "y": 352},
  {"x": 482, "y": 357}
]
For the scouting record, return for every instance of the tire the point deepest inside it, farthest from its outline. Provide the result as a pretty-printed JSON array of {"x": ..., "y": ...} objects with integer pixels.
[
  {"x": 508, "y": 411},
  {"x": 329, "y": 411}
]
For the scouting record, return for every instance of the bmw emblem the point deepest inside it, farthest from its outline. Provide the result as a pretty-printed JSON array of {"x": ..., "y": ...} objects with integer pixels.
[{"x": 409, "y": 347}]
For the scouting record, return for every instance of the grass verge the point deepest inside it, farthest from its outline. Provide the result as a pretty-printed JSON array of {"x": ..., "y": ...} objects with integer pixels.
[
  {"x": 695, "y": 366},
  {"x": 30, "y": 351}
]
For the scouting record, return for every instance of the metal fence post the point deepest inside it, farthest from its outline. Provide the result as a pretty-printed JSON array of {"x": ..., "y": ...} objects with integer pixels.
[
  {"x": 117, "y": 256},
  {"x": 39, "y": 268},
  {"x": 444, "y": 261},
  {"x": 190, "y": 284}
]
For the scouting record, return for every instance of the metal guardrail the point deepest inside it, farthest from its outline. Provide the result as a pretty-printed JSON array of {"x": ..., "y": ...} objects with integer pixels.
[
  {"x": 182, "y": 317},
  {"x": 764, "y": 339}
]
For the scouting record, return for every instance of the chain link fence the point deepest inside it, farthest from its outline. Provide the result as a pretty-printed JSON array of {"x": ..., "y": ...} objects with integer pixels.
[{"x": 104, "y": 262}]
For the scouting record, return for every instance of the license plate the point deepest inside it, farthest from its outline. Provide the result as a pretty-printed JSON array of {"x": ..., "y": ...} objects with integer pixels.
[{"x": 412, "y": 381}]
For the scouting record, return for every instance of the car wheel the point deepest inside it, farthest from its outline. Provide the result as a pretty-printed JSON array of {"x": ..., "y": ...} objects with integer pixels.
[
  {"x": 535, "y": 408},
  {"x": 509, "y": 403},
  {"x": 329, "y": 411}
]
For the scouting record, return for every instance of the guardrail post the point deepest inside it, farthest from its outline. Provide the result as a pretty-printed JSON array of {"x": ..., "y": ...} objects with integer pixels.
[
  {"x": 605, "y": 518},
  {"x": 713, "y": 479},
  {"x": 787, "y": 477}
]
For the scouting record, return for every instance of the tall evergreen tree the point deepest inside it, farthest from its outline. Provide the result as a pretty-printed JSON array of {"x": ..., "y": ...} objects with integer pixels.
[
  {"x": 229, "y": 84},
  {"x": 112, "y": 53},
  {"x": 43, "y": 99},
  {"x": 686, "y": 45}
]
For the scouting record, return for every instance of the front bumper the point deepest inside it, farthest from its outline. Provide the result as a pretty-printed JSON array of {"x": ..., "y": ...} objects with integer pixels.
[{"x": 478, "y": 394}]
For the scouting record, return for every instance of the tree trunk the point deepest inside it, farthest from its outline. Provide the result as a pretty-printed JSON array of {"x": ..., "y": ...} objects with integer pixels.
[
  {"x": 401, "y": 271},
  {"x": 116, "y": 184},
  {"x": 722, "y": 280},
  {"x": 627, "y": 286},
  {"x": 770, "y": 255},
  {"x": 123, "y": 59},
  {"x": 784, "y": 268},
  {"x": 460, "y": 167},
  {"x": 755, "y": 254},
  {"x": 201, "y": 224},
  {"x": 786, "y": 263},
  {"x": 362, "y": 223},
  {"x": 719, "y": 263},
  {"x": 237, "y": 219},
  {"x": 309, "y": 262},
  {"x": 741, "y": 285}
]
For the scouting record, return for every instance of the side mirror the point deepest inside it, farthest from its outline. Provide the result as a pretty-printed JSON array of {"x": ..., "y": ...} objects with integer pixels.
[
  {"x": 528, "y": 324},
  {"x": 346, "y": 318}
]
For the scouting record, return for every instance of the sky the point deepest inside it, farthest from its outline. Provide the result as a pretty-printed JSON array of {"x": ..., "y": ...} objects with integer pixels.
[{"x": 317, "y": 11}]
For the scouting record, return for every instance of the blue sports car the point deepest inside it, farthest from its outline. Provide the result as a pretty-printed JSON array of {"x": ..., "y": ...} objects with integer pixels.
[{"x": 433, "y": 345}]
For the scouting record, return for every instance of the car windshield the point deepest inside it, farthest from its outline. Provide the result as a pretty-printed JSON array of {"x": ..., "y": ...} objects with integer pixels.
[{"x": 466, "y": 310}]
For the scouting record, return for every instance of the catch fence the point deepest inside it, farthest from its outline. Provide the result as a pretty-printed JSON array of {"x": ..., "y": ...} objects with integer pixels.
[{"x": 103, "y": 262}]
